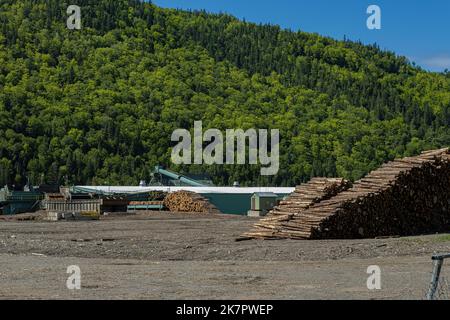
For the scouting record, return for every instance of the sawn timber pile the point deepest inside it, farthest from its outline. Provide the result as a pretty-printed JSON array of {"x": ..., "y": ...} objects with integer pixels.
[
  {"x": 185, "y": 201},
  {"x": 409, "y": 196},
  {"x": 304, "y": 196}
]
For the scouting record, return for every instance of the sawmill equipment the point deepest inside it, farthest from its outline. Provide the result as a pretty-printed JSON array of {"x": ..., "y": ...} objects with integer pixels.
[
  {"x": 164, "y": 177},
  {"x": 14, "y": 202}
]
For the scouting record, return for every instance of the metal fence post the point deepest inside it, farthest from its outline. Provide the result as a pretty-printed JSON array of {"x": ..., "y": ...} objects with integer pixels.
[{"x": 437, "y": 267}]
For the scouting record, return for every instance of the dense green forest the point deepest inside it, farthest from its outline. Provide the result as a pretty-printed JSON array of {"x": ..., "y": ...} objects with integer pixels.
[{"x": 98, "y": 105}]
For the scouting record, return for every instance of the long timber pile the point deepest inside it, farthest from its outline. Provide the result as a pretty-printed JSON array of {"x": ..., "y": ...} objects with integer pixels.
[
  {"x": 185, "y": 201},
  {"x": 409, "y": 196},
  {"x": 304, "y": 196}
]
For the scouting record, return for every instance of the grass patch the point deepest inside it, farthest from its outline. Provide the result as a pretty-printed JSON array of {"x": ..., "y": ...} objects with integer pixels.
[
  {"x": 443, "y": 238},
  {"x": 428, "y": 238}
]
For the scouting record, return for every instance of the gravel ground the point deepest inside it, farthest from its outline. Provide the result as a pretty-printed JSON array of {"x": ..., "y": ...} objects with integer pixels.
[{"x": 174, "y": 256}]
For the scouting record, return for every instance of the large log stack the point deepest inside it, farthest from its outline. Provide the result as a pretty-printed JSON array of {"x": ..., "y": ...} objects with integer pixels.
[
  {"x": 304, "y": 196},
  {"x": 185, "y": 201},
  {"x": 409, "y": 196}
]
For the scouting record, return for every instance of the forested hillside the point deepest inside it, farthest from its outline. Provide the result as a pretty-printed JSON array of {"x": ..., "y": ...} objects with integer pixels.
[{"x": 98, "y": 105}]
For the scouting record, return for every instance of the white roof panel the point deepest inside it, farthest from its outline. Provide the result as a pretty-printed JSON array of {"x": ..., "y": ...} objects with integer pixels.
[{"x": 202, "y": 190}]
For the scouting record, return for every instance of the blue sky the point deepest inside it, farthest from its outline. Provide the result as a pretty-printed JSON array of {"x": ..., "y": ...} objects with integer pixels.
[{"x": 419, "y": 30}]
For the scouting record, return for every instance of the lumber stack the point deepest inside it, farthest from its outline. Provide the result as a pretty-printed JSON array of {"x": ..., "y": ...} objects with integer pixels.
[
  {"x": 304, "y": 196},
  {"x": 409, "y": 196},
  {"x": 185, "y": 201}
]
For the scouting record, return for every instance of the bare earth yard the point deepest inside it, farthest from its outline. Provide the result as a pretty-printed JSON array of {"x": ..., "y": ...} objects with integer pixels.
[{"x": 174, "y": 256}]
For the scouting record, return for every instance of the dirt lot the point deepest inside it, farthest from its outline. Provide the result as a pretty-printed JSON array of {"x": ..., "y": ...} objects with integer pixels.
[{"x": 173, "y": 256}]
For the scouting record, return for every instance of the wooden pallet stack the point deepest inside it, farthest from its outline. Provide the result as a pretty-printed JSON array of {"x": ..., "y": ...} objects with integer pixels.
[
  {"x": 304, "y": 196},
  {"x": 404, "y": 197},
  {"x": 185, "y": 201}
]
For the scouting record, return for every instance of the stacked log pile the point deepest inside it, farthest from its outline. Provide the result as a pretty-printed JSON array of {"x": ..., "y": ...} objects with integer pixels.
[
  {"x": 304, "y": 196},
  {"x": 409, "y": 196},
  {"x": 185, "y": 201},
  {"x": 146, "y": 203}
]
